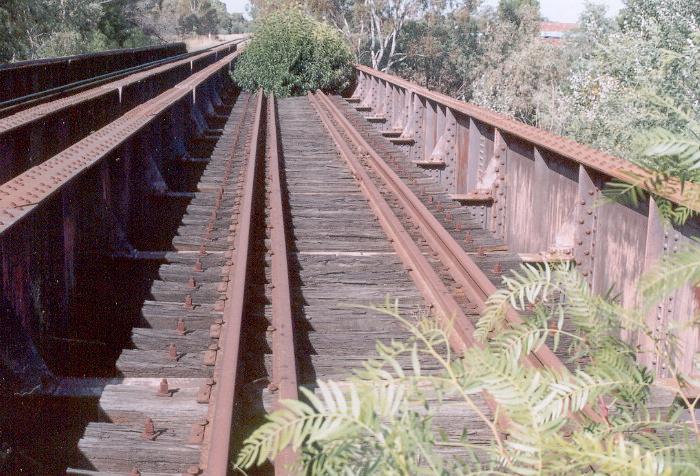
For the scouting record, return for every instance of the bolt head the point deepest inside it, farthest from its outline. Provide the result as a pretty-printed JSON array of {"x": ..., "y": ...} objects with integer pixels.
[{"x": 172, "y": 352}]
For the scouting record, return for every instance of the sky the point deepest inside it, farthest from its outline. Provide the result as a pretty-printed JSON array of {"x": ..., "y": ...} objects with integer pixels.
[
  {"x": 237, "y": 6},
  {"x": 569, "y": 10},
  {"x": 554, "y": 10}
]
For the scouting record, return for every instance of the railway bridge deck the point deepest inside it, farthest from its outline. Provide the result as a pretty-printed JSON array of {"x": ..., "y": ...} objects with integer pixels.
[{"x": 172, "y": 270}]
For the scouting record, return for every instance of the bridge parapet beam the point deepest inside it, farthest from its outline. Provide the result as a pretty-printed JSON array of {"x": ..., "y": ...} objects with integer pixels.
[{"x": 540, "y": 193}]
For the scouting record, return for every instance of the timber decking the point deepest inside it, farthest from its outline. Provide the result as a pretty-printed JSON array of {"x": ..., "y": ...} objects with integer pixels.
[
  {"x": 489, "y": 252},
  {"x": 345, "y": 259},
  {"x": 339, "y": 259},
  {"x": 114, "y": 444}
]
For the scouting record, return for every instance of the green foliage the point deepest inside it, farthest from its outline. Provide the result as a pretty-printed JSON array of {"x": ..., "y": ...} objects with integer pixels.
[
  {"x": 207, "y": 17},
  {"x": 41, "y": 28},
  {"x": 585, "y": 319},
  {"x": 671, "y": 21},
  {"x": 664, "y": 156},
  {"x": 516, "y": 71},
  {"x": 438, "y": 50},
  {"x": 234, "y": 23},
  {"x": 372, "y": 28},
  {"x": 14, "y": 18},
  {"x": 291, "y": 53},
  {"x": 628, "y": 78},
  {"x": 67, "y": 43},
  {"x": 511, "y": 10},
  {"x": 381, "y": 421},
  {"x": 44, "y": 28},
  {"x": 345, "y": 413},
  {"x": 493, "y": 58}
]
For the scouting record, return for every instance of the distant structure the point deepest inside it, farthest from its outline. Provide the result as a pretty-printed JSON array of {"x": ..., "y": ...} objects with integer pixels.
[{"x": 554, "y": 31}]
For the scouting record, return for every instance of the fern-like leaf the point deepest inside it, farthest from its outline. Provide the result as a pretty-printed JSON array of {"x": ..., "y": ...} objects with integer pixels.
[
  {"x": 673, "y": 272},
  {"x": 662, "y": 143}
]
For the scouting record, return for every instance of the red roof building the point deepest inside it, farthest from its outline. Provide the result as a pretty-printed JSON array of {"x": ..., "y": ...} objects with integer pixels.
[{"x": 555, "y": 31}]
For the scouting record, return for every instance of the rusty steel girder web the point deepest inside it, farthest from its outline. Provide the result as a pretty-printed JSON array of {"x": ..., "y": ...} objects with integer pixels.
[
  {"x": 613, "y": 166},
  {"x": 21, "y": 195},
  {"x": 23, "y": 102},
  {"x": 31, "y": 112}
]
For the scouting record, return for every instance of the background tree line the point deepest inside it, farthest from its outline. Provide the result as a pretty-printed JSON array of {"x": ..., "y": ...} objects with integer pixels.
[
  {"x": 42, "y": 28},
  {"x": 601, "y": 85}
]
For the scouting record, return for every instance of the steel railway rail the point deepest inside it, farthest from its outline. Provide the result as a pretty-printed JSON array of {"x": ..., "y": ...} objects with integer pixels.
[
  {"x": 466, "y": 276},
  {"x": 195, "y": 348},
  {"x": 225, "y": 390},
  {"x": 284, "y": 361},
  {"x": 258, "y": 175},
  {"x": 283, "y": 378}
]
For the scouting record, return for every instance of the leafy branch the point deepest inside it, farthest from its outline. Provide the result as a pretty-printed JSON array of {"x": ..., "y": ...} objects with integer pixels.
[{"x": 381, "y": 420}]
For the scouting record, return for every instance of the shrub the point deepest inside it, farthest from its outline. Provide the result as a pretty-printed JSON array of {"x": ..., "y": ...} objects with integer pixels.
[
  {"x": 291, "y": 54},
  {"x": 381, "y": 420}
]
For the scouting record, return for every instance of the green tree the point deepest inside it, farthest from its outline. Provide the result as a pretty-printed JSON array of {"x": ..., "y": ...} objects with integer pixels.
[
  {"x": 119, "y": 24},
  {"x": 439, "y": 49},
  {"x": 38, "y": 28},
  {"x": 204, "y": 17},
  {"x": 18, "y": 27},
  {"x": 60, "y": 27},
  {"x": 371, "y": 27},
  {"x": 234, "y": 23},
  {"x": 670, "y": 22},
  {"x": 514, "y": 71},
  {"x": 628, "y": 78},
  {"x": 291, "y": 53},
  {"x": 511, "y": 10}
]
